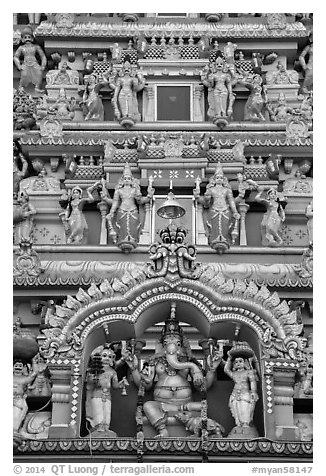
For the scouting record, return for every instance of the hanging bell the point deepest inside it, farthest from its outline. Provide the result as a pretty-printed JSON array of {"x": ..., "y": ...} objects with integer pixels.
[{"x": 171, "y": 208}]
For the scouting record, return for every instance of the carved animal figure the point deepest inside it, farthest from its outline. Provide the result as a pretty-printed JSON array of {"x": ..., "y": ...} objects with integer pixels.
[{"x": 194, "y": 424}]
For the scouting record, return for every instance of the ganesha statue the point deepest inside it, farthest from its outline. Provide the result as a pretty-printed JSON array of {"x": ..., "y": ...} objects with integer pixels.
[{"x": 174, "y": 376}]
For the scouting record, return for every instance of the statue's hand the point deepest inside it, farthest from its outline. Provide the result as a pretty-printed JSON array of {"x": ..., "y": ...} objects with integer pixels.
[
  {"x": 130, "y": 359},
  {"x": 236, "y": 216},
  {"x": 197, "y": 378},
  {"x": 254, "y": 397}
]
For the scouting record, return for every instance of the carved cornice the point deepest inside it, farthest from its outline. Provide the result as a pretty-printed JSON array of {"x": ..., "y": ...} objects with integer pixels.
[
  {"x": 184, "y": 29},
  {"x": 225, "y": 139},
  {"x": 83, "y": 273},
  {"x": 216, "y": 448}
]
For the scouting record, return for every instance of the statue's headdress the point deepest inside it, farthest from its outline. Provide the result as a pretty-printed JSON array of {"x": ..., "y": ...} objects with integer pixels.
[
  {"x": 127, "y": 170},
  {"x": 172, "y": 326},
  {"x": 27, "y": 30},
  {"x": 77, "y": 188}
]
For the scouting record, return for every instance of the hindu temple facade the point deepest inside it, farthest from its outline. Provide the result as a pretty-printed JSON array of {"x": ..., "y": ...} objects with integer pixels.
[{"x": 163, "y": 239}]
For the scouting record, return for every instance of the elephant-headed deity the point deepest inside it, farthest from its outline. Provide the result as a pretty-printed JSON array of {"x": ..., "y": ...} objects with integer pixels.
[{"x": 169, "y": 373}]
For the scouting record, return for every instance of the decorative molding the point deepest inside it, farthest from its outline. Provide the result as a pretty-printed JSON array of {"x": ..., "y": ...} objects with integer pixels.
[
  {"x": 225, "y": 139},
  {"x": 83, "y": 273},
  {"x": 186, "y": 30},
  {"x": 216, "y": 448}
]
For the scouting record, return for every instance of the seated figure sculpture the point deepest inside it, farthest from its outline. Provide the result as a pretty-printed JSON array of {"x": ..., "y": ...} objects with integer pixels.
[
  {"x": 244, "y": 396},
  {"x": 222, "y": 216},
  {"x": 168, "y": 372},
  {"x": 124, "y": 211}
]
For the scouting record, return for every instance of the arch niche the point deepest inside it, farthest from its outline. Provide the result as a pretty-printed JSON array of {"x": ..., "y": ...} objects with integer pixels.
[{"x": 126, "y": 313}]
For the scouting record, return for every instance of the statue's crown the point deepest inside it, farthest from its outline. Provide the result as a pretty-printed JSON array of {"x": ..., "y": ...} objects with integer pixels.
[{"x": 171, "y": 326}]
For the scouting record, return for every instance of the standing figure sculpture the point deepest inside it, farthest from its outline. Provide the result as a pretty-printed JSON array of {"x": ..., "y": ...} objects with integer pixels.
[
  {"x": 20, "y": 167},
  {"x": 170, "y": 372},
  {"x": 273, "y": 218},
  {"x": 31, "y": 70},
  {"x": 256, "y": 101},
  {"x": 124, "y": 211},
  {"x": 73, "y": 219},
  {"x": 21, "y": 380},
  {"x": 307, "y": 66},
  {"x": 220, "y": 96},
  {"x": 100, "y": 379},
  {"x": 92, "y": 99},
  {"x": 124, "y": 100},
  {"x": 222, "y": 217},
  {"x": 24, "y": 227},
  {"x": 244, "y": 396}
]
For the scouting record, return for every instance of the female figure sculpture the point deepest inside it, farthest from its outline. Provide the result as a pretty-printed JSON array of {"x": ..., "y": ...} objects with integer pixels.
[
  {"x": 20, "y": 383},
  {"x": 222, "y": 216},
  {"x": 307, "y": 66},
  {"x": 168, "y": 371},
  {"x": 280, "y": 112},
  {"x": 124, "y": 99},
  {"x": 92, "y": 99},
  {"x": 73, "y": 218},
  {"x": 31, "y": 70},
  {"x": 101, "y": 378},
  {"x": 127, "y": 196},
  {"x": 63, "y": 107},
  {"x": 273, "y": 218},
  {"x": 220, "y": 96},
  {"x": 18, "y": 172},
  {"x": 244, "y": 395},
  {"x": 256, "y": 100},
  {"x": 24, "y": 227}
]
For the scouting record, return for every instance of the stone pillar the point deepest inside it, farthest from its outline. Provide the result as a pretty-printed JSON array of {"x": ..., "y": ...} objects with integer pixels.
[
  {"x": 199, "y": 113},
  {"x": 149, "y": 109},
  {"x": 243, "y": 209},
  {"x": 201, "y": 238},
  {"x": 283, "y": 403},
  {"x": 61, "y": 401},
  {"x": 145, "y": 235},
  {"x": 103, "y": 207}
]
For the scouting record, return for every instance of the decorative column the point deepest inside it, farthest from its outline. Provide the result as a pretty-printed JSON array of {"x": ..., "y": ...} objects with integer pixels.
[
  {"x": 201, "y": 238},
  {"x": 61, "y": 399},
  {"x": 149, "y": 109},
  {"x": 243, "y": 209},
  {"x": 145, "y": 237},
  {"x": 284, "y": 376},
  {"x": 198, "y": 103},
  {"x": 103, "y": 207}
]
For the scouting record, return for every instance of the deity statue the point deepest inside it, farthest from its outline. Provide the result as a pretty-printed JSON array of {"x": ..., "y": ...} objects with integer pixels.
[
  {"x": 282, "y": 76},
  {"x": 244, "y": 396},
  {"x": 20, "y": 382},
  {"x": 20, "y": 167},
  {"x": 307, "y": 66},
  {"x": 124, "y": 100},
  {"x": 31, "y": 70},
  {"x": 64, "y": 107},
  {"x": 273, "y": 218},
  {"x": 306, "y": 107},
  {"x": 101, "y": 377},
  {"x": 169, "y": 372},
  {"x": 124, "y": 211},
  {"x": 309, "y": 215},
  {"x": 26, "y": 211},
  {"x": 218, "y": 80},
  {"x": 41, "y": 385},
  {"x": 92, "y": 99},
  {"x": 73, "y": 219},
  {"x": 279, "y": 112},
  {"x": 257, "y": 98},
  {"x": 222, "y": 217}
]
